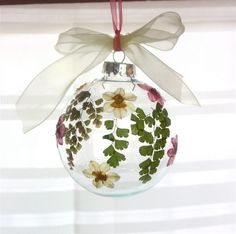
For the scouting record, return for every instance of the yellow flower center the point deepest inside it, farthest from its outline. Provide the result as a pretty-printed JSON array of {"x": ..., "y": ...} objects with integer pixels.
[
  {"x": 99, "y": 176},
  {"x": 118, "y": 101}
]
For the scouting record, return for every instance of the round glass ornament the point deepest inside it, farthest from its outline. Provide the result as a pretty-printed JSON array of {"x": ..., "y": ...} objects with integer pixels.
[{"x": 114, "y": 136}]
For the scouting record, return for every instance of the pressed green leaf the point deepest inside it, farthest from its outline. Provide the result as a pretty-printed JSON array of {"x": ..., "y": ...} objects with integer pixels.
[
  {"x": 167, "y": 122},
  {"x": 78, "y": 146},
  {"x": 120, "y": 144},
  {"x": 109, "y": 137},
  {"x": 154, "y": 114},
  {"x": 77, "y": 114},
  {"x": 164, "y": 112},
  {"x": 109, "y": 124},
  {"x": 85, "y": 105},
  {"x": 142, "y": 137},
  {"x": 152, "y": 171},
  {"x": 160, "y": 143},
  {"x": 157, "y": 145},
  {"x": 83, "y": 95},
  {"x": 87, "y": 122},
  {"x": 81, "y": 130},
  {"x": 99, "y": 117},
  {"x": 140, "y": 113},
  {"x": 150, "y": 121},
  {"x": 146, "y": 163},
  {"x": 66, "y": 130},
  {"x": 77, "y": 125},
  {"x": 68, "y": 152},
  {"x": 74, "y": 140},
  {"x": 72, "y": 117},
  {"x": 157, "y": 132},
  {"x": 146, "y": 137},
  {"x": 73, "y": 130},
  {"x": 144, "y": 172},
  {"x": 134, "y": 129},
  {"x": 161, "y": 117},
  {"x": 67, "y": 140},
  {"x": 73, "y": 149},
  {"x": 92, "y": 116},
  {"x": 90, "y": 111},
  {"x": 155, "y": 164},
  {"x": 99, "y": 109},
  {"x": 70, "y": 158},
  {"x": 163, "y": 142},
  {"x": 114, "y": 160},
  {"x": 109, "y": 150},
  {"x": 134, "y": 118},
  {"x": 158, "y": 107},
  {"x": 98, "y": 124},
  {"x": 158, "y": 155},
  {"x": 80, "y": 138},
  {"x": 145, "y": 178},
  {"x": 88, "y": 130},
  {"x": 146, "y": 150},
  {"x": 122, "y": 132},
  {"x": 86, "y": 136},
  {"x": 99, "y": 101},
  {"x": 140, "y": 124},
  {"x": 165, "y": 132},
  {"x": 90, "y": 105}
]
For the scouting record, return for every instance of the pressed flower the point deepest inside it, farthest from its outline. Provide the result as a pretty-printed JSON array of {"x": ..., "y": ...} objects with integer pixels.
[
  {"x": 129, "y": 70},
  {"x": 99, "y": 174},
  {"x": 60, "y": 130},
  {"x": 153, "y": 94},
  {"x": 119, "y": 102},
  {"x": 171, "y": 153}
]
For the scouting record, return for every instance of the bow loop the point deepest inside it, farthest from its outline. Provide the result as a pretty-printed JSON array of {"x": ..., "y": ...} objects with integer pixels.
[
  {"x": 162, "y": 32},
  {"x": 73, "y": 39}
]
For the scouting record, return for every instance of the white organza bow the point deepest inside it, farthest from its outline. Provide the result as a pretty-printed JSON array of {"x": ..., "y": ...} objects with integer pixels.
[{"x": 84, "y": 49}]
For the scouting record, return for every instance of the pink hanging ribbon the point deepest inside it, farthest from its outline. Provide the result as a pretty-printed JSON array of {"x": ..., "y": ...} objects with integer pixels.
[{"x": 117, "y": 23}]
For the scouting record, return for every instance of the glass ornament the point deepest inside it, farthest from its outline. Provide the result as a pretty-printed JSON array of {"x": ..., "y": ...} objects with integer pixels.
[{"x": 114, "y": 137}]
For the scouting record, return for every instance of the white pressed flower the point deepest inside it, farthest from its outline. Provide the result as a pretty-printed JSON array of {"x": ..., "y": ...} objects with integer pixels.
[
  {"x": 119, "y": 102},
  {"x": 99, "y": 174}
]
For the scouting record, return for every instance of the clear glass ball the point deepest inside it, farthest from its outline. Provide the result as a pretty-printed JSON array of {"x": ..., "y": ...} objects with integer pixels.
[{"x": 114, "y": 136}]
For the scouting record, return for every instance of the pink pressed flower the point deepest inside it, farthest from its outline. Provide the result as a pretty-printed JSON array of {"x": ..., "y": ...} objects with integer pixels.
[
  {"x": 172, "y": 151},
  {"x": 153, "y": 94},
  {"x": 60, "y": 130}
]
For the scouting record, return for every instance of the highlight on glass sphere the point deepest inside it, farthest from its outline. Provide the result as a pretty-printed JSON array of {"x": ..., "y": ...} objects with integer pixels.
[{"x": 114, "y": 135}]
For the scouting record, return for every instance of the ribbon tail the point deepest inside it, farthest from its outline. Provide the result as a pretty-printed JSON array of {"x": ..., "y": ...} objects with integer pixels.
[
  {"x": 165, "y": 77},
  {"x": 46, "y": 90}
]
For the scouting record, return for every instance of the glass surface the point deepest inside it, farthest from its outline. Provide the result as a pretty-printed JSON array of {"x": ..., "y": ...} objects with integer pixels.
[{"x": 108, "y": 132}]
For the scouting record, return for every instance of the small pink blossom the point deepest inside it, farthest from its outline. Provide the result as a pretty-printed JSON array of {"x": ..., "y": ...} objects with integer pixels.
[
  {"x": 171, "y": 153},
  {"x": 60, "y": 130},
  {"x": 153, "y": 94}
]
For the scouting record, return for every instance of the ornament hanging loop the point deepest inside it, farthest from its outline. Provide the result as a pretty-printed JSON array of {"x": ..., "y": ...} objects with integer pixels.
[
  {"x": 116, "y": 41},
  {"x": 119, "y": 56},
  {"x": 117, "y": 20}
]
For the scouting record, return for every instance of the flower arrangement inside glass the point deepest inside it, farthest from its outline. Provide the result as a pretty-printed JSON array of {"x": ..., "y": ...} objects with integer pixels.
[{"x": 114, "y": 136}]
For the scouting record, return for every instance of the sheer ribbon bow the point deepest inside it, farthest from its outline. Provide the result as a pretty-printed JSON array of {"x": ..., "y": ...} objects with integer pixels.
[{"x": 84, "y": 49}]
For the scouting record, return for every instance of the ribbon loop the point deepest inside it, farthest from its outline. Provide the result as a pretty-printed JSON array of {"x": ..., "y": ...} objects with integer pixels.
[
  {"x": 117, "y": 23},
  {"x": 83, "y": 49}
]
